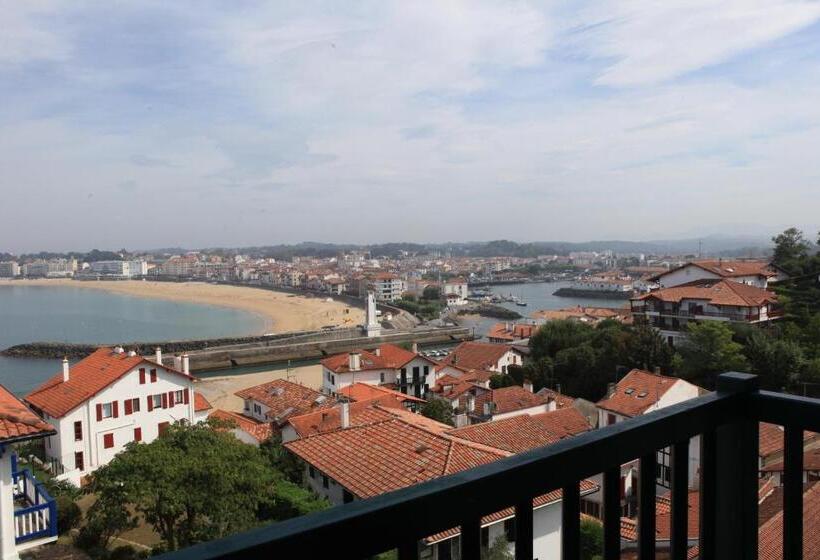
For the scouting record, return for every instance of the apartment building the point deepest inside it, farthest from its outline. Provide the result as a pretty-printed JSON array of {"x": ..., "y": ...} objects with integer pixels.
[
  {"x": 753, "y": 273},
  {"x": 9, "y": 269},
  {"x": 670, "y": 310}
]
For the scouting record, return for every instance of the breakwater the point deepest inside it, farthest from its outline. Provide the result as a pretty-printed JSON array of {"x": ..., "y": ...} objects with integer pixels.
[{"x": 593, "y": 294}]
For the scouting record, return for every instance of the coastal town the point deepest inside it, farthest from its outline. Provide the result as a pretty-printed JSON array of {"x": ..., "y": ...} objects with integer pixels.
[{"x": 386, "y": 414}]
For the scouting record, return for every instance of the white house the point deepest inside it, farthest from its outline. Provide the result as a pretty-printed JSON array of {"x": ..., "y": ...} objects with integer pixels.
[
  {"x": 641, "y": 392},
  {"x": 276, "y": 401},
  {"x": 107, "y": 400},
  {"x": 455, "y": 291},
  {"x": 752, "y": 273},
  {"x": 387, "y": 364},
  {"x": 484, "y": 356},
  {"x": 28, "y": 515}
]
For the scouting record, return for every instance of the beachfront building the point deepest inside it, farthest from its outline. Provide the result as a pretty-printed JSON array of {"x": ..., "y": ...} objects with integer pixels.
[
  {"x": 405, "y": 370},
  {"x": 509, "y": 333},
  {"x": 9, "y": 269},
  {"x": 28, "y": 515},
  {"x": 372, "y": 449},
  {"x": 107, "y": 400},
  {"x": 753, "y": 273},
  {"x": 670, "y": 310},
  {"x": 455, "y": 292},
  {"x": 484, "y": 356},
  {"x": 386, "y": 286}
]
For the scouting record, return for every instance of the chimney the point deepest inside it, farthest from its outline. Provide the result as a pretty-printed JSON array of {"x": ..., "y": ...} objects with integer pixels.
[
  {"x": 131, "y": 353},
  {"x": 65, "y": 370},
  {"x": 345, "y": 415},
  {"x": 354, "y": 361},
  {"x": 378, "y": 351},
  {"x": 657, "y": 370},
  {"x": 471, "y": 403},
  {"x": 414, "y": 348},
  {"x": 186, "y": 364},
  {"x": 528, "y": 385},
  {"x": 158, "y": 355},
  {"x": 119, "y": 350},
  {"x": 178, "y": 363},
  {"x": 610, "y": 389}
]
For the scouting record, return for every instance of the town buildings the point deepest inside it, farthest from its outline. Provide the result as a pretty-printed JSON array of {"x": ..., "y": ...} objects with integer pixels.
[
  {"x": 670, "y": 310},
  {"x": 406, "y": 370},
  {"x": 9, "y": 269},
  {"x": 509, "y": 333},
  {"x": 484, "y": 356},
  {"x": 276, "y": 401},
  {"x": 107, "y": 400},
  {"x": 753, "y": 273}
]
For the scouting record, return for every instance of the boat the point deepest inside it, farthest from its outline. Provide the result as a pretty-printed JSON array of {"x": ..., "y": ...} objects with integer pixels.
[{"x": 521, "y": 303}]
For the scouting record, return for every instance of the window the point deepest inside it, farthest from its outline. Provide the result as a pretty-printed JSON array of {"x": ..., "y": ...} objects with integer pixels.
[
  {"x": 142, "y": 376},
  {"x": 257, "y": 409},
  {"x": 78, "y": 461},
  {"x": 333, "y": 380},
  {"x": 509, "y": 529},
  {"x": 78, "y": 431},
  {"x": 137, "y": 434},
  {"x": 153, "y": 376},
  {"x": 107, "y": 410},
  {"x": 591, "y": 508},
  {"x": 135, "y": 405},
  {"x": 179, "y": 396},
  {"x": 108, "y": 441},
  {"x": 156, "y": 401},
  {"x": 325, "y": 481},
  {"x": 663, "y": 471},
  {"x": 381, "y": 377},
  {"x": 416, "y": 374},
  {"x": 311, "y": 471},
  {"x": 610, "y": 419},
  {"x": 426, "y": 371}
]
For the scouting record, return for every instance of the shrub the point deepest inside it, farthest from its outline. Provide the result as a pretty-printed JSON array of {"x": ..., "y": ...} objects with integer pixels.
[{"x": 69, "y": 514}]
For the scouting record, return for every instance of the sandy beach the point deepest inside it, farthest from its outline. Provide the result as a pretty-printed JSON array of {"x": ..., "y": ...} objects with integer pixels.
[
  {"x": 281, "y": 311},
  {"x": 220, "y": 390}
]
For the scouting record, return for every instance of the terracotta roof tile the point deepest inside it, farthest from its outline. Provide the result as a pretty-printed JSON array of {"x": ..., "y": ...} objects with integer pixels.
[
  {"x": 87, "y": 377},
  {"x": 261, "y": 431},
  {"x": 329, "y": 419},
  {"x": 636, "y": 392},
  {"x": 510, "y": 399},
  {"x": 389, "y": 356},
  {"x": 17, "y": 422},
  {"x": 515, "y": 434},
  {"x": 200, "y": 402},
  {"x": 285, "y": 399},
  {"x": 770, "y": 536},
  {"x": 717, "y": 292},
  {"x": 517, "y": 332},
  {"x": 770, "y": 439},
  {"x": 563, "y": 422},
  {"x": 365, "y": 392},
  {"x": 476, "y": 355}
]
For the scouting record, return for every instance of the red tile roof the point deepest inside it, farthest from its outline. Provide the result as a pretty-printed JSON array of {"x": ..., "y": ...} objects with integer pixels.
[
  {"x": 728, "y": 269},
  {"x": 561, "y": 400},
  {"x": 386, "y": 356},
  {"x": 285, "y": 399},
  {"x": 517, "y": 332},
  {"x": 515, "y": 434},
  {"x": 770, "y": 536},
  {"x": 636, "y": 392},
  {"x": 17, "y": 422},
  {"x": 87, "y": 377},
  {"x": 476, "y": 355},
  {"x": 563, "y": 422},
  {"x": 770, "y": 439},
  {"x": 716, "y": 292},
  {"x": 515, "y": 397},
  {"x": 811, "y": 462},
  {"x": 663, "y": 518},
  {"x": 261, "y": 431},
  {"x": 329, "y": 419},
  {"x": 365, "y": 392},
  {"x": 200, "y": 402}
]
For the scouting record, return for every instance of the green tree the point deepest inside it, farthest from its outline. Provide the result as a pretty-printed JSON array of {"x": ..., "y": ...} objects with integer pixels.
[
  {"x": 499, "y": 550},
  {"x": 576, "y": 371},
  {"x": 646, "y": 349},
  {"x": 555, "y": 336},
  {"x": 431, "y": 293},
  {"x": 789, "y": 248},
  {"x": 197, "y": 483},
  {"x": 707, "y": 351},
  {"x": 778, "y": 362},
  {"x": 438, "y": 409},
  {"x": 499, "y": 380},
  {"x": 592, "y": 539},
  {"x": 282, "y": 460}
]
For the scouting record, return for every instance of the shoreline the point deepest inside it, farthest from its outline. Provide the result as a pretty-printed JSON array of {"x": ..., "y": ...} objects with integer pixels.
[{"x": 280, "y": 310}]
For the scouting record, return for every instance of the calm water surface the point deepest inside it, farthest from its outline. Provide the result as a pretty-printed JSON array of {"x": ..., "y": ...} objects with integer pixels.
[{"x": 68, "y": 314}]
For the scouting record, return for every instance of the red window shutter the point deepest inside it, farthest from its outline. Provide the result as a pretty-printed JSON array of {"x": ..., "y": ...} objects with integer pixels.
[
  {"x": 115, "y": 406},
  {"x": 108, "y": 441},
  {"x": 142, "y": 376},
  {"x": 128, "y": 409},
  {"x": 137, "y": 434},
  {"x": 164, "y": 400},
  {"x": 185, "y": 396},
  {"x": 153, "y": 376},
  {"x": 150, "y": 403},
  {"x": 170, "y": 399},
  {"x": 99, "y": 413}
]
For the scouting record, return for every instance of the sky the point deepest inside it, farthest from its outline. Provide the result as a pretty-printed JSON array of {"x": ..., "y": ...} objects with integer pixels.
[{"x": 200, "y": 124}]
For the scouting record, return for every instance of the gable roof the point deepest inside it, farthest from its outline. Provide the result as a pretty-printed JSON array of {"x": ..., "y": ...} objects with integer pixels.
[
  {"x": 716, "y": 292},
  {"x": 200, "y": 402},
  {"x": 329, "y": 419},
  {"x": 636, "y": 392},
  {"x": 87, "y": 377},
  {"x": 365, "y": 391},
  {"x": 514, "y": 434},
  {"x": 476, "y": 355},
  {"x": 515, "y": 397},
  {"x": 285, "y": 398},
  {"x": 770, "y": 439},
  {"x": 515, "y": 331},
  {"x": 563, "y": 422},
  {"x": 17, "y": 422},
  {"x": 727, "y": 269},
  {"x": 388, "y": 356},
  {"x": 770, "y": 534}
]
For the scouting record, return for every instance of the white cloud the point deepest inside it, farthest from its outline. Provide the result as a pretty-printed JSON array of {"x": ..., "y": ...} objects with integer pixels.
[
  {"x": 650, "y": 41},
  {"x": 25, "y": 35}
]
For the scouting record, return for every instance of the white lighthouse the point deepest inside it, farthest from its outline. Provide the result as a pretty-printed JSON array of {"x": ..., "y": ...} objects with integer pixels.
[{"x": 372, "y": 326}]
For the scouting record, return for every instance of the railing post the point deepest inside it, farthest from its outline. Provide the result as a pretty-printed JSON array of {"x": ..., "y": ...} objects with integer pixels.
[{"x": 736, "y": 474}]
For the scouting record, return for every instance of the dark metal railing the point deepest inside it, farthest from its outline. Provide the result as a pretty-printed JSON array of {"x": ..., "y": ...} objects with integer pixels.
[{"x": 726, "y": 421}]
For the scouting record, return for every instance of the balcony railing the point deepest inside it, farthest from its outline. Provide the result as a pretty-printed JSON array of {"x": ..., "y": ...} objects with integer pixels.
[
  {"x": 37, "y": 519},
  {"x": 727, "y": 421}
]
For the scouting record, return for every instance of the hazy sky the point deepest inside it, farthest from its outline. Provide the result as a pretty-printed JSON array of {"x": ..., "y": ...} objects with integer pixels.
[{"x": 146, "y": 124}]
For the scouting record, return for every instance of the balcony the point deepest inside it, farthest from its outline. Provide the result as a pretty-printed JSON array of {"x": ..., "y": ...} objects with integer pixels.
[
  {"x": 35, "y": 511},
  {"x": 726, "y": 421}
]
